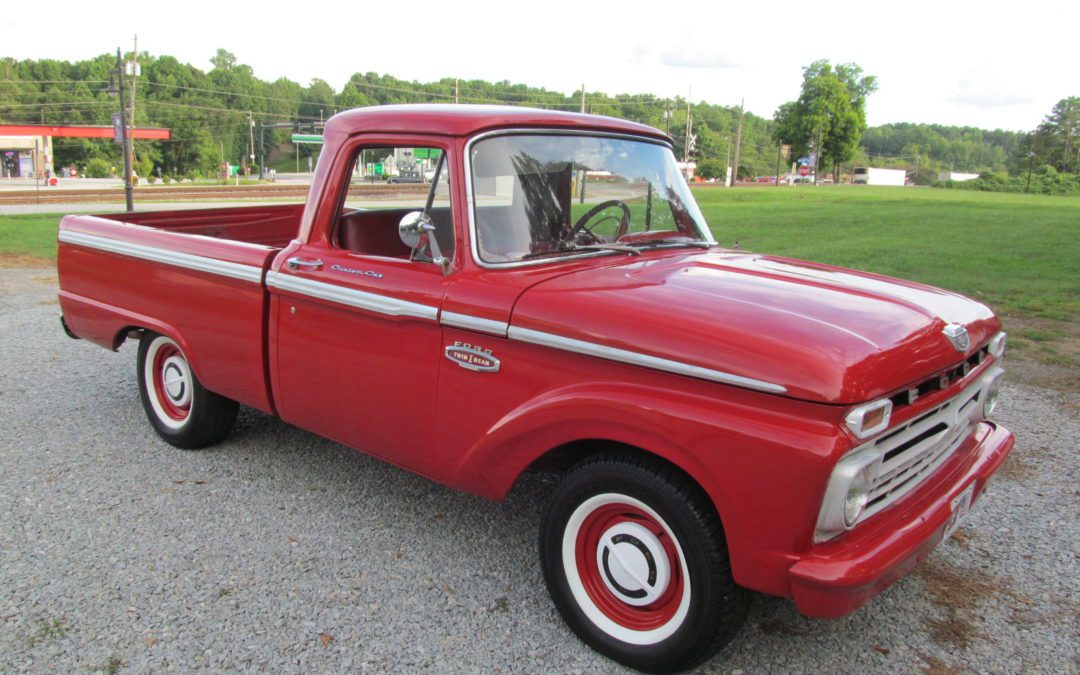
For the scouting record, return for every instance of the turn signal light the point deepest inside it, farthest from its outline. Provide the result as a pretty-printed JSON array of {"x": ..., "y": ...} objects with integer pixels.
[
  {"x": 997, "y": 345},
  {"x": 867, "y": 420}
]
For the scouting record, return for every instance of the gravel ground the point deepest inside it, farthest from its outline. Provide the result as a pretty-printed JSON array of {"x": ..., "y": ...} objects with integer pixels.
[{"x": 278, "y": 550}]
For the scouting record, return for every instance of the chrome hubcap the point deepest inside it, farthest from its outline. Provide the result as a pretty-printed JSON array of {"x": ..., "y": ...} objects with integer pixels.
[
  {"x": 633, "y": 564},
  {"x": 176, "y": 380}
]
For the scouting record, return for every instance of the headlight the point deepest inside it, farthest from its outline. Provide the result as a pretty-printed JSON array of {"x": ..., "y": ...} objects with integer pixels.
[
  {"x": 997, "y": 345},
  {"x": 857, "y": 495},
  {"x": 867, "y": 420},
  {"x": 847, "y": 493},
  {"x": 991, "y": 390}
]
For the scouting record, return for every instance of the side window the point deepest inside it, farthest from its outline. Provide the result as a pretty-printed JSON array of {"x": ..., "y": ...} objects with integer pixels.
[{"x": 386, "y": 183}]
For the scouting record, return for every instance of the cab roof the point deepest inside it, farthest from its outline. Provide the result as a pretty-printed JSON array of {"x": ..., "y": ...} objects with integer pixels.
[{"x": 465, "y": 120}]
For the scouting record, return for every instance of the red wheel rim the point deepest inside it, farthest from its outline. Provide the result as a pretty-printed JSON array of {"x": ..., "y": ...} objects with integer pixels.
[
  {"x": 163, "y": 370},
  {"x": 632, "y": 617}
]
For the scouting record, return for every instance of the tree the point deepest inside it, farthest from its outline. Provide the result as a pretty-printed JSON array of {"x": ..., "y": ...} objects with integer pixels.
[
  {"x": 710, "y": 168},
  {"x": 350, "y": 97},
  {"x": 223, "y": 60},
  {"x": 318, "y": 101},
  {"x": 1058, "y": 136},
  {"x": 830, "y": 114}
]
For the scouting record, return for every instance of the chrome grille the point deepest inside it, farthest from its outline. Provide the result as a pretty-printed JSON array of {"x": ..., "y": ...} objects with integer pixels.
[{"x": 912, "y": 451}]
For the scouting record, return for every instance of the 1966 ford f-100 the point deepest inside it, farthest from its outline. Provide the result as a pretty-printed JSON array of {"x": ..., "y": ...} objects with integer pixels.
[{"x": 552, "y": 298}]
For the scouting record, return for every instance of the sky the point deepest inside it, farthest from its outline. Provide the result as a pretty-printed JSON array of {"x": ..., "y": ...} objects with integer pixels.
[{"x": 984, "y": 64}]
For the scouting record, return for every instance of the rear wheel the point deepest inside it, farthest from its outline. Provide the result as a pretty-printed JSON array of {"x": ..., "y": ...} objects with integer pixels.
[
  {"x": 635, "y": 560},
  {"x": 181, "y": 411}
]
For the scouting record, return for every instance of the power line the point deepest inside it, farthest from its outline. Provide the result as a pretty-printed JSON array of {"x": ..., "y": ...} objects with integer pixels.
[
  {"x": 47, "y": 105},
  {"x": 222, "y": 92},
  {"x": 228, "y": 110},
  {"x": 54, "y": 81}
]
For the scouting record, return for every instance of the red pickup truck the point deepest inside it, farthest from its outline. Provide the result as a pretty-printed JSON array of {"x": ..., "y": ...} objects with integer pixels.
[{"x": 552, "y": 298}]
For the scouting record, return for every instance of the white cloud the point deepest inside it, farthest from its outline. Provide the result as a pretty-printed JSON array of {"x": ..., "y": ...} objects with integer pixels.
[
  {"x": 988, "y": 89},
  {"x": 695, "y": 57},
  {"x": 681, "y": 56}
]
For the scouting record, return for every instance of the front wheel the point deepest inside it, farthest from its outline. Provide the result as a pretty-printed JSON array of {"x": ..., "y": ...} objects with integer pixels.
[
  {"x": 635, "y": 560},
  {"x": 180, "y": 409}
]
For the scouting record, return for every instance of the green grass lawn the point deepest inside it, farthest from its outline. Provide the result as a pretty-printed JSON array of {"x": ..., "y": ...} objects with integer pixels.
[
  {"x": 31, "y": 235},
  {"x": 1019, "y": 253}
]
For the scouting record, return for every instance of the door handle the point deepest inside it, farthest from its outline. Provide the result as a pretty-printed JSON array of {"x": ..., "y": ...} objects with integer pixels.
[{"x": 297, "y": 263}]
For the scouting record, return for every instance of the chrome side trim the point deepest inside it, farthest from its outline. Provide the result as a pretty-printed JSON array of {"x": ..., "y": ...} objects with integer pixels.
[
  {"x": 636, "y": 359},
  {"x": 470, "y": 204},
  {"x": 474, "y": 323},
  {"x": 350, "y": 297},
  {"x": 175, "y": 258}
]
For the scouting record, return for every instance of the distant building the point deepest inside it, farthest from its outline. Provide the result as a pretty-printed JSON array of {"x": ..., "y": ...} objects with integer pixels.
[
  {"x": 956, "y": 176},
  {"x": 874, "y": 176},
  {"x": 26, "y": 150},
  {"x": 23, "y": 156}
]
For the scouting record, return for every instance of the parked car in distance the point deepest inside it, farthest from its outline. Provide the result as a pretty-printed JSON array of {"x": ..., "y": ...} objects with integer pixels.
[
  {"x": 720, "y": 421},
  {"x": 409, "y": 173}
]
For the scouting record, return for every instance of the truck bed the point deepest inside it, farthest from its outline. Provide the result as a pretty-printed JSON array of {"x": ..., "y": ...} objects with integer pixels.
[
  {"x": 273, "y": 226},
  {"x": 203, "y": 270}
]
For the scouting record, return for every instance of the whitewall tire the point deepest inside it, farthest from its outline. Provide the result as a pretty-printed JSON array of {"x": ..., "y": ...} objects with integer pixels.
[
  {"x": 635, "y": 560},
  {"x": 179, "y": 408}
]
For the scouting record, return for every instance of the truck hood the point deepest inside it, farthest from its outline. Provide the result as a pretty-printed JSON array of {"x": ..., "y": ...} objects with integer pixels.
[{"x": 820, "y": 333}]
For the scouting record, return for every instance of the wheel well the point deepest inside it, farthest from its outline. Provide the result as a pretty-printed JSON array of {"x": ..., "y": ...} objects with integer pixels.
[
  {"x": 134, "y": 332},
  {"x": 561, "y": 459},
  {"x": 558, "y": 460}
]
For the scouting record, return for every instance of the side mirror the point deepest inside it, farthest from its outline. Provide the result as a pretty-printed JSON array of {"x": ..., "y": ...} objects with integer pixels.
[{"x": 412, "y": 228}]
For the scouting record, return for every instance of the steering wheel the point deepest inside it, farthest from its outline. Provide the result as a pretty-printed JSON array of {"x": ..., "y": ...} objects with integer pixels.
[{"x": 582, "y": 222}]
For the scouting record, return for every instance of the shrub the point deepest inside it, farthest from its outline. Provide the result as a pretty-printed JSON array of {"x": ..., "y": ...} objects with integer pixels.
[
  {"x": 98, "y": 168},
  {"x": 1044, "y": 181}
]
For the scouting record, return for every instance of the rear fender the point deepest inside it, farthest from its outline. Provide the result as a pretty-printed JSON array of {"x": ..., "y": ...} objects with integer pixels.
[{"x": 108, "y": 326}]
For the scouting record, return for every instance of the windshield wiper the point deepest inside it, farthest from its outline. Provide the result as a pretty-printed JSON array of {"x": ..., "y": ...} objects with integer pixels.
[
  {"x": 575, "y": 248},
  {"x": 675, "y": 243}
]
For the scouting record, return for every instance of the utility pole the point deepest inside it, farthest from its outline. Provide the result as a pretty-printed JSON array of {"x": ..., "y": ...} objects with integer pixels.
[
  {"x": 582, "y": 97},
  {"x": 1031, "y": 160},
  {"x": 779, "y": 151},
  {"x": 689, "y": 131},
  {"x": 131, "y": 104},
  {"x": 817, "y": 154},
  {"x": 262, "y": 149},
  {"x": 456, "y": 91},
  {"x": 738, "y": 139},
  {"x": 251, "y": 140},
  {"x": 37, "y": 173},
  {"x": 129, "y": 198},
  {"x": 727, "y": 162}
]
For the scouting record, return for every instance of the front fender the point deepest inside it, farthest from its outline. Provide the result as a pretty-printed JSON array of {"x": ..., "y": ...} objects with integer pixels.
[{"x": 762, "y": 459}]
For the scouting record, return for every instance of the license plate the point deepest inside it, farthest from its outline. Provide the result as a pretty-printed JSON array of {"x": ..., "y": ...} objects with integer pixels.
[{"x": 960, "y": 506}]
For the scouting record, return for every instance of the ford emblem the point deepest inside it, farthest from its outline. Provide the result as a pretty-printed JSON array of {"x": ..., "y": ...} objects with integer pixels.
[{"x": 958, "y": 336}]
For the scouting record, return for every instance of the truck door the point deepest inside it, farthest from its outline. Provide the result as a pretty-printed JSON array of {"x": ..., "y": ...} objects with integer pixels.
[{"x": 355, "y": 312}]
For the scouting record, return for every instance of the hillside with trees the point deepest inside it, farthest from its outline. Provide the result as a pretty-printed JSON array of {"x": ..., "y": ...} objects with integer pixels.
[{"x": 211, "y": 112}]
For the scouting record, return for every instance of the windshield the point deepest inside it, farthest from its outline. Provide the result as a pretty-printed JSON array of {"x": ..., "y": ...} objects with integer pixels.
[{"x": 539, "y": 196}]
